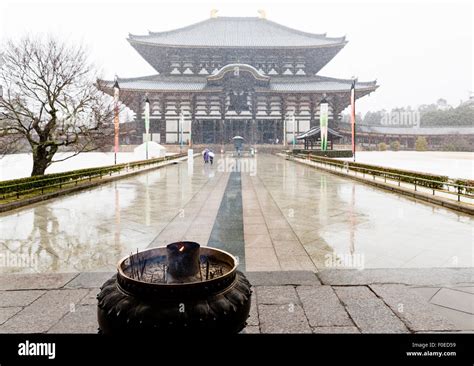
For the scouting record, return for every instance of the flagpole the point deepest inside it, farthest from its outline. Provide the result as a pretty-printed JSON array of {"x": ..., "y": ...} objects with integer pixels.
[
  {"x": 116, "y": 118},
  {"x": 190, "y": 133},
  {"x": 293, "y": 120},
  {"x": 353, "y": 119},
  {"x": 147, "y": 124},
  {"x": 323, "y": 123},
  {"x": 181, "y": 122}
]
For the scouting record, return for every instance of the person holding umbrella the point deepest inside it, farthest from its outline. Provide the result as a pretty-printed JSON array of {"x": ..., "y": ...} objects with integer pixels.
[{"x": 205, "y": 155}]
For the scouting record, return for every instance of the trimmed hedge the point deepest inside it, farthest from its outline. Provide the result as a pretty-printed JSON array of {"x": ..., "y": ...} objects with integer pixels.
[
  {"x": 436, "y": 181},
  {"x": 328, "y": 154},
  {"x": 469, "y": 189},
  {"x": 25, "y": 184}
]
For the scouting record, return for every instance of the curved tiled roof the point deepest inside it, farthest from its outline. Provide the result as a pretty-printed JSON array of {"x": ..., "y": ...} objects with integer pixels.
[
  {"x": 161, "y": 83},
  {"x": 276, "y": 84},
  {"x": 316, "y": 83},
  {"x": 241, "y": 67},
  {"x": 237, "y": 32},
  {"x": 315, "y": 131},
  {"x": 417, "y": 130}
]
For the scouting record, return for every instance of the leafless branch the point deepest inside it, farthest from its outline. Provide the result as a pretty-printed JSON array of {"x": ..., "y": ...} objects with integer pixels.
[{"x": 51, "y": 100}]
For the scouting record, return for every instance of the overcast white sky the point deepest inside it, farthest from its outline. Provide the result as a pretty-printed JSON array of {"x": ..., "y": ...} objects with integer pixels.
[{"x": 418, "y": 50}]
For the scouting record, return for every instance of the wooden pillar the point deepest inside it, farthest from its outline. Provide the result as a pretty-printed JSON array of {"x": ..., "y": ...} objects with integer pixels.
[
  {"x": 337, "y": 107},
  {"x": 201, "y": 131},
  {"x": 284, "y": 111},
  {"x": 192, "y": 105},
  {"x": 139, "y": 118},
  {"x": 253, "y": 127},
  {"x": 178, "y": 111},
  {"x": 222, "y": 101},
  {"x": 313, "y": 107},
  {"x": 275, "y": 129}
]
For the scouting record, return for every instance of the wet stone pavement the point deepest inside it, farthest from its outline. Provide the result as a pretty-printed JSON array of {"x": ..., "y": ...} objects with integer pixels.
[
  {"x": 294, "y": 217},
  {"x": 323, "y": 253},
  {"x": 228, "y": 230},
  {"x": 332, "y": 301}
]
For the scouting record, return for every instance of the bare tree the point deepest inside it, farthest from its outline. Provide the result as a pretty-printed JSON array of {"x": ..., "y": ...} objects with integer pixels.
[{"x": 52, "y": 99}]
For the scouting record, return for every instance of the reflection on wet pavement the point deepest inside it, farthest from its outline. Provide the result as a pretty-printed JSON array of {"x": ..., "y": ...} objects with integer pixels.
[
  {"x": 294, "y": 217},
  {"x": 341, "y": 223},
  {"x": 92, "y": 230}
]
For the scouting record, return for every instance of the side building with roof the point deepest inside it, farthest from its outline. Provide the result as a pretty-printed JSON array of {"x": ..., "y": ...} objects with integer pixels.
[{"x": 229, "y": 76}]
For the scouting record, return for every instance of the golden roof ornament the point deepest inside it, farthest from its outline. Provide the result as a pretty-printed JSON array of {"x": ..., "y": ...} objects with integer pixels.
[
  {"x": 262, "y": 14},
  {"x": 214, "y": 13}
]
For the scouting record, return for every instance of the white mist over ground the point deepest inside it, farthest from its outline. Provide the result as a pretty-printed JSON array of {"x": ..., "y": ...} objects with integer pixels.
[
  {"x": 19, "y": 165},
  {"x": 453, "y": 164}
]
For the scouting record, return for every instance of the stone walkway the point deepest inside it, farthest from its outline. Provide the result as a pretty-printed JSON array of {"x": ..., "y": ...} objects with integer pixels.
[
  {"x": 332, "y": 301},
  {"x": 294, "y": 217},
  {"x": 285, "y": 221}
]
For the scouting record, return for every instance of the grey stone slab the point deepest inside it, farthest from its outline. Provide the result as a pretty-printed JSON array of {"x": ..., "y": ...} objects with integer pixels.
[
  {"x": 275, "y": 295},
  {"x": 441, "y": 332},
  {"x": 370, "y": 314},
  {"x": 91, "y": 297},
  {"x": 337, "y": 330},
  {"x": 462, "y": 321},
  {"x": 19, "y": 298},
  {"x": 41, "y": 315},
  {"x": 322, "y": 307},
  {"x": 455, "y": 300},
  {"x": 409, "y": 306},
  {"x": 469, "y": 289},
  {"x": 408, "y": 276},
  {"x": 253, "y": 316},
  {"x": 426, "y": 292},
  {"x": 282, "y": 319},
  {"x": 251, "y": 330},
  {"x": 46, "y": 281},
  {"x": 89, "y": 279},
  {"x": 82, "y": 320},
  {"x": 7, "y": 313},
  {"x": 277, "y": 278}
]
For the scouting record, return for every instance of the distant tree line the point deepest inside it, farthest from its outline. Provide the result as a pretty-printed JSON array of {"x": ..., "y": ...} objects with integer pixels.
[
  {"x": 439, "y": 114},
  {"x": 462, "y": 115}
]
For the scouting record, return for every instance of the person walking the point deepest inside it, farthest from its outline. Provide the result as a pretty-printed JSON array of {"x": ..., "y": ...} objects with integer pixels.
[
  {"x": 211, "y": 157},
  {"x": 205, "y": 155}
]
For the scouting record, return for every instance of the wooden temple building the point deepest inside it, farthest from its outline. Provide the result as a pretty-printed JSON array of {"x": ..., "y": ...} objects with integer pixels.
[
  {"x": 228, "y": 76},
  {"x": 311, "y": 138}
]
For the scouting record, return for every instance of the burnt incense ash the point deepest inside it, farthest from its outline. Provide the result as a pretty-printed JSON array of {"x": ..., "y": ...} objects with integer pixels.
[
  {"x": 183, "y": 263},
  {"x": 180, "y": 287}
]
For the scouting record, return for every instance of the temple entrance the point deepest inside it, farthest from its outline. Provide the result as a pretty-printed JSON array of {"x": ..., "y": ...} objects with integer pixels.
[
  {"x": 209, "y": 132},
  {"x": 268, "y": 131},
  {"x": 235, "y": 127},
  {"x": 218, "y": 131}
]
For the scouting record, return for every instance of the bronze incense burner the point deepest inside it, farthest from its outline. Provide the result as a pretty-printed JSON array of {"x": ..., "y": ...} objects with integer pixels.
[{"x": 182, "y": 287}]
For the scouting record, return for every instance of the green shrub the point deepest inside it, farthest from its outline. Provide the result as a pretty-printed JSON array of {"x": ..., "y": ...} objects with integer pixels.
[
  {"x": 435, "y": 181},
  {"x": 421, "y": 144},
  {"x": 468, "y": 183},
  {"x": 382, "y": 146},
  {"x": 395, "y": 145},
  {"x": 456, "y": 143},
  {"x": 328, "y": 153},
  {"x": 37, "y": 182}
]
